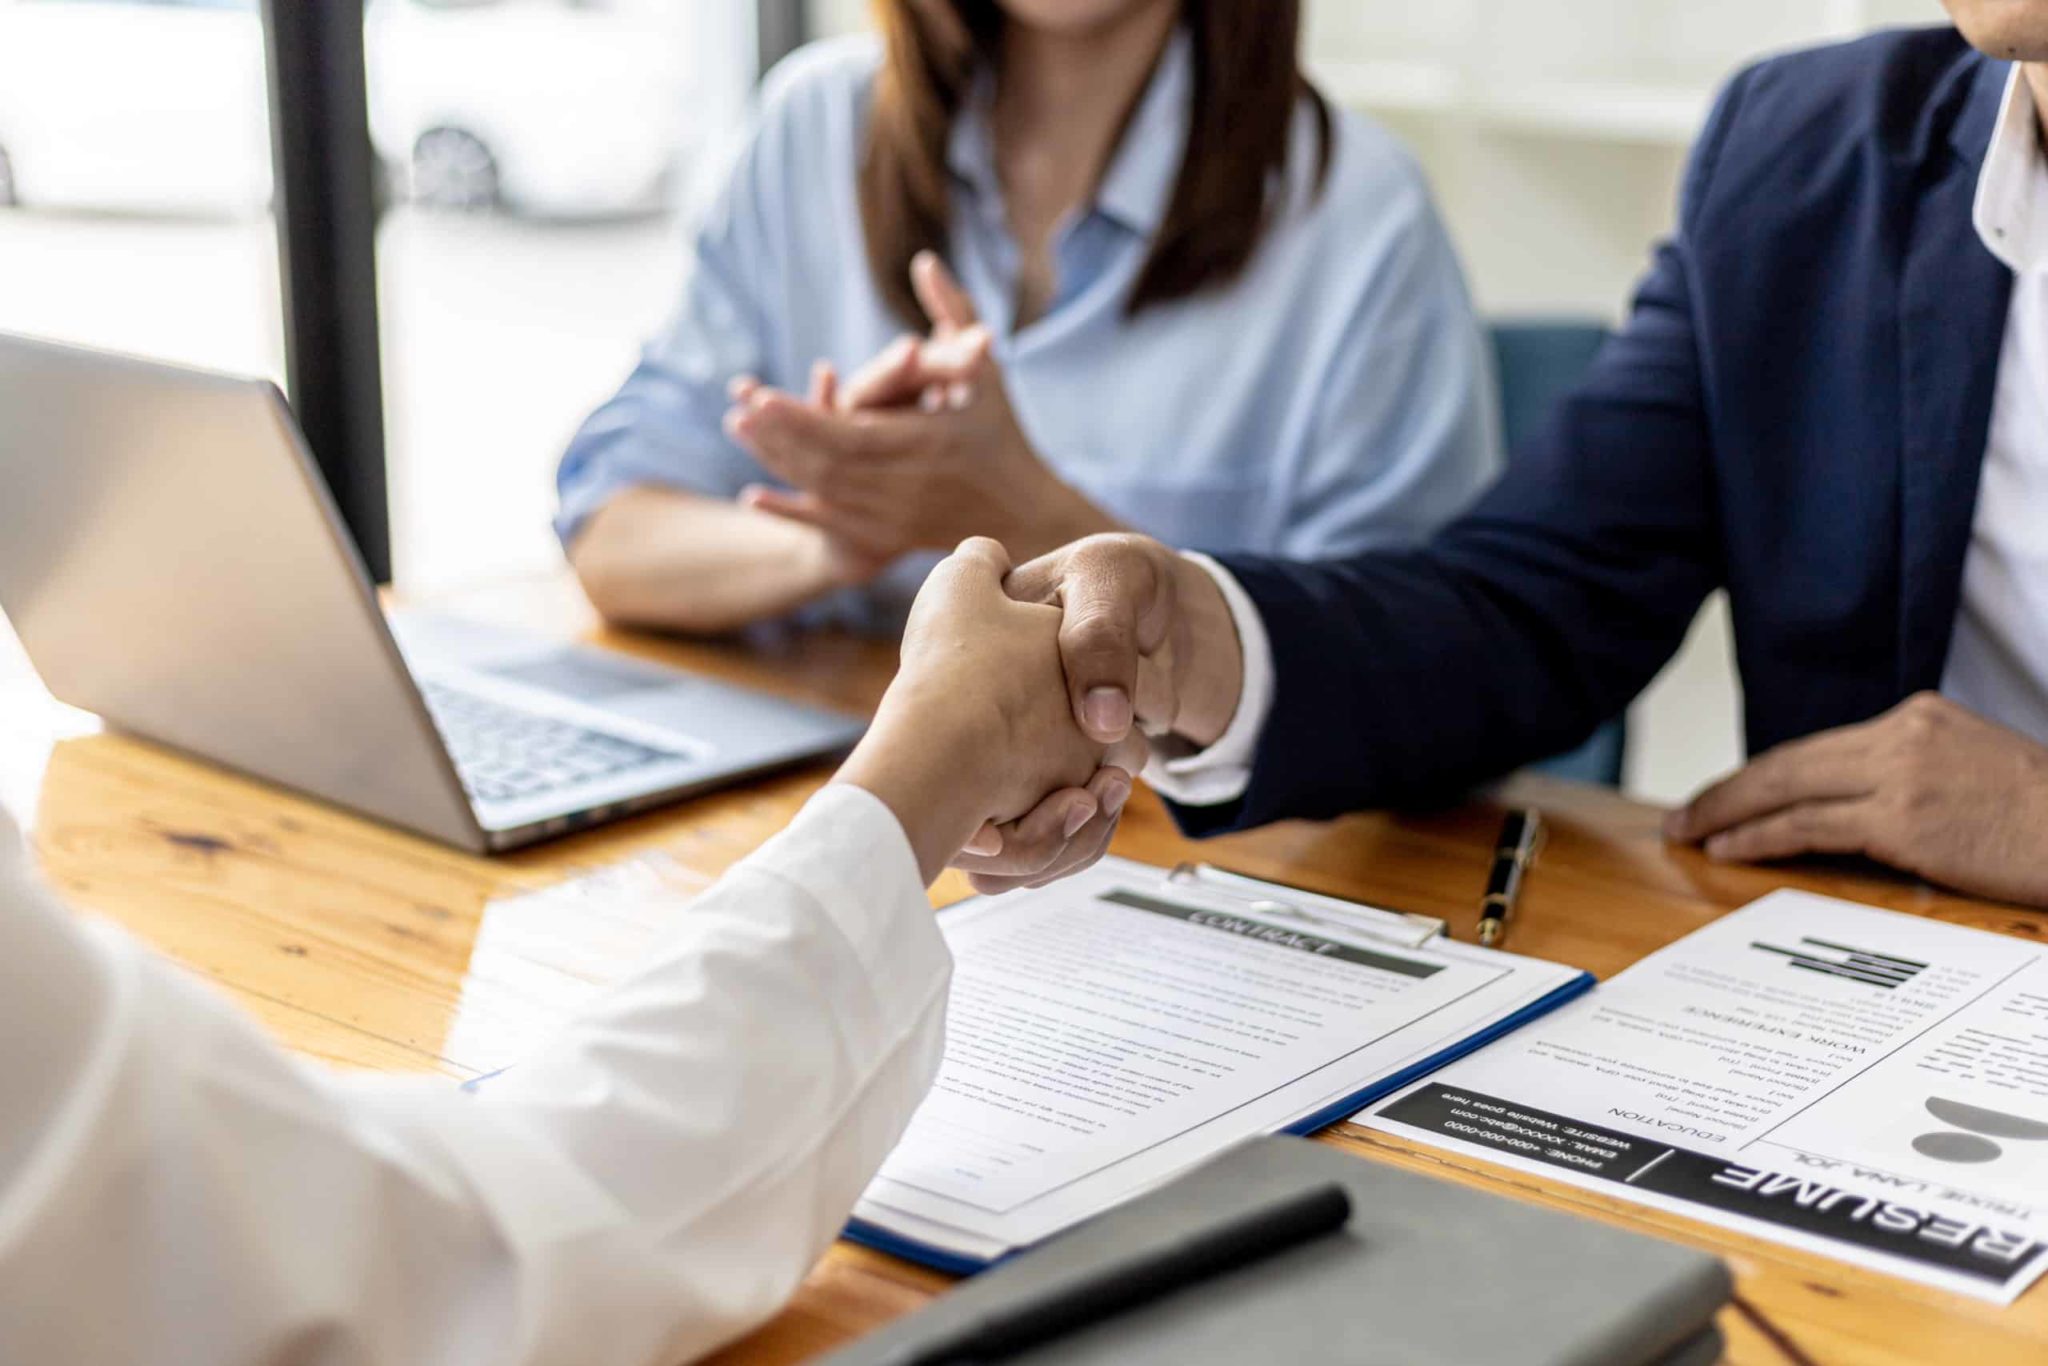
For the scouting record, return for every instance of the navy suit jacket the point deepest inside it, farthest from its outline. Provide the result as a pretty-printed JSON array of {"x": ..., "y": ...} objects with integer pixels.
[{"x": 1796, "y": 410}]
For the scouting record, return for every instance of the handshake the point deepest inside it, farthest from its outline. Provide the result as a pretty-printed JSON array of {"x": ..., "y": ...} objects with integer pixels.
[{"x": 1029, "y": 698}]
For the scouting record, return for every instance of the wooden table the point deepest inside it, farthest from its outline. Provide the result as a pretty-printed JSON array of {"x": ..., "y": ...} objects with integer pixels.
[{"x": 368, "y": 948}]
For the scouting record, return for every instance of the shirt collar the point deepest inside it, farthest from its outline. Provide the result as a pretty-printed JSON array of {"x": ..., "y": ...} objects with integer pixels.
[
  {"x": 2011, "y": 210},
  {"x": 1145, "y": 165}
]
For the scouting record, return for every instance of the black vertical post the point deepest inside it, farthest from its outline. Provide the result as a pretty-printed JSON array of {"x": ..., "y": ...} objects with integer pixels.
[
  {"x": 326, "y": 229},
  {"x": 780, "y": 28}
]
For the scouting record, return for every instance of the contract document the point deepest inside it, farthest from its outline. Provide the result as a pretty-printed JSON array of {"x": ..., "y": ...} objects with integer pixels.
[
  {"x": 1856, "y": 1082},
  {"x": 1108, "y": 1033}
]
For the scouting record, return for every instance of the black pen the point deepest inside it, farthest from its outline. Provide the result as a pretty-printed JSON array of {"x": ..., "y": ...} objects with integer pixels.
[
  {"x": 1520, "y": 834},
  {"x": 1067, "y": 1307}
]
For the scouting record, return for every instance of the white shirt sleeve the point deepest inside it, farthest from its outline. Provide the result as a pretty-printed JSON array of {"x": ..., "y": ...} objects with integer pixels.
[
  {"x": 1223, "y": 771},
  {"x": 175, "y": 1187}
]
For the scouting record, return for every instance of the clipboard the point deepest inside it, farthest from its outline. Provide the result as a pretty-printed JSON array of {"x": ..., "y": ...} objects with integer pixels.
[
  {"x": 1401, "y": 929},
  {"x": 923, "y": 1232}
]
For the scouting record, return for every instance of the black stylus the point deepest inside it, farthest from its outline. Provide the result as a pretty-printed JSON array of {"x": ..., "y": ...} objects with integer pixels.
[{"x": 1065, "y": 1308}]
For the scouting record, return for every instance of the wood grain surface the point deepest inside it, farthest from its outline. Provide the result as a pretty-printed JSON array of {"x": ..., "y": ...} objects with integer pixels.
[{"x": 366, "y": 947}]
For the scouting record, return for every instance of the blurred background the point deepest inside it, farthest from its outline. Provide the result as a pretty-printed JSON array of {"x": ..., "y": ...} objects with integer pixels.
[{"x": 537, "y": 159}]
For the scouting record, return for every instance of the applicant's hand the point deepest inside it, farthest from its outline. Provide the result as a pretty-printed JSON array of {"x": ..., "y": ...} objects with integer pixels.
[
  {"x": 976, "y": 728},
  {"x": 1147, "y": 646},
  {"x": 1929, "y": 787},
  {"x": 916, "y": 451}
]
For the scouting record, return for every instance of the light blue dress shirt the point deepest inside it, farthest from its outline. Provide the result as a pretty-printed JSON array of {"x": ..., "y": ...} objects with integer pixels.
[{"x": 1335, "y": 396}]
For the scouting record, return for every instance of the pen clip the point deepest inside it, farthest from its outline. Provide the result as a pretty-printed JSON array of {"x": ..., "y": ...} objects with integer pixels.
[
  {"x": 1538, "y": 836},
  {"x": 1401, "y": 928}
]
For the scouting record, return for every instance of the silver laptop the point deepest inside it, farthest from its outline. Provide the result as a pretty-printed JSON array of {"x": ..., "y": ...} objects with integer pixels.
[{"x": 171, "y": 560}]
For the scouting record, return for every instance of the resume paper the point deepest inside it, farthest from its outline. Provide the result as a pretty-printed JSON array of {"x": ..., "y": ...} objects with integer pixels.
[{"x": 1855, "y": 1082}]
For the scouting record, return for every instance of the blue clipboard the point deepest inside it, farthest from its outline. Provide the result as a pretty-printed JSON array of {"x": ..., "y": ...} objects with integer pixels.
[{"x": 872, "y": 1235}]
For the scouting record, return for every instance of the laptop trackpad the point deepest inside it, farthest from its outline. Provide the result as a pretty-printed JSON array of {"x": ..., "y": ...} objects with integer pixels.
[{"x": 588, "y": 676}]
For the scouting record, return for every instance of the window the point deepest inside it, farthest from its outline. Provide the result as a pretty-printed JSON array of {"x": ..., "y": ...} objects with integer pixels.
[
  {"x": 538, "y": 151},
  {"x": 135, "y": 179},
  {"x": 535, "y": 153}
]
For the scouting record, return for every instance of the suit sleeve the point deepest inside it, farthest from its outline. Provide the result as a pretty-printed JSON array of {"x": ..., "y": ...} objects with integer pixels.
[{"x": 1524, "y": 625}]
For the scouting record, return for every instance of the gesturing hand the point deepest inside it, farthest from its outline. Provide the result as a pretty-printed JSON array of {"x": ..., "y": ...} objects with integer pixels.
[
  {"x": 918, "y": 450},
  {"x": 849, "y": 560},
  {"x": 933, "y": 372},
  {"x": 1929, "y": 788},
  {"x": 1147, "y": 645},
  {"x": 975, "y": 728}
]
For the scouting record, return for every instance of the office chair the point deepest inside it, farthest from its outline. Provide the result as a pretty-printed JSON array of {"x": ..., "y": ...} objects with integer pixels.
[{"x": 1535, "y": 363}]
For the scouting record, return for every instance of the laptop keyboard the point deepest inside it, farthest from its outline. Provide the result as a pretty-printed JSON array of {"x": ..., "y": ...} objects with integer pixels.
[{"x": 504, "y": 754}]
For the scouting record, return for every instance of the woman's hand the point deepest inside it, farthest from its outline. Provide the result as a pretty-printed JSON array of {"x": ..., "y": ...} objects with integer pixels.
[
  {"x": 933, "y": 372},
  {"x": 918, "y": 450},
  {"x": 846, "y": 562}
]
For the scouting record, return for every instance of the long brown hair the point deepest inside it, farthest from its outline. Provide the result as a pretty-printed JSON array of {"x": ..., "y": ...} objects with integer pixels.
[{"x": 1247, "y": 81}]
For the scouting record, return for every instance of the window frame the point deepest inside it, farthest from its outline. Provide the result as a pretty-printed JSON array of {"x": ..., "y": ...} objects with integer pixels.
[{"x": 327, "y": 204}]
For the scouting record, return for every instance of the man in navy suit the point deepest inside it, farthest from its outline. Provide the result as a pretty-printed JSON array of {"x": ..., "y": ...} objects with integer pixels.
[{"x": 1830, "y": 398}]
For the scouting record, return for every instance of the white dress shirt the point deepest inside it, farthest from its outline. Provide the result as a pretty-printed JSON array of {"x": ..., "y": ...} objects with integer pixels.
[
  {"x": 1222, "y": 772},
  {"x": 1998, "y": 658},
  {"x": 1998, "y": 661},
  {"x": 176, "y": 1188}
]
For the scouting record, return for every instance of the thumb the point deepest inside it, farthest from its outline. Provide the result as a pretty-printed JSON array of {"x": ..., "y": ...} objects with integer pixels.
[
  {"x": 1115, "y": 606},
  {"x": 939, "y": 294},
  {"x": 891, "y": 378}
]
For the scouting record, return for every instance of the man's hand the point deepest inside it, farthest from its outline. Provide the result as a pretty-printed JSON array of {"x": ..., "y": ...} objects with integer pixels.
[
  {"x": 1147, "y": 645},
  {"x": 1929, "y": 788},
  {"x": 976, "y": 729}
]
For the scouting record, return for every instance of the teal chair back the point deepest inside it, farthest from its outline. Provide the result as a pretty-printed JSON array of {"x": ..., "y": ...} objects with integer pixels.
[{"x": 1536, "y": 363}]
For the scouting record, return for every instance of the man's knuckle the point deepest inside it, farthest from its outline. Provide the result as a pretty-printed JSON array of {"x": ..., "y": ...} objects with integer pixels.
[
  {"x": 1919, "y": 798},
  {"x": 1922, "y": 716},
  {"x": 1114, "y": 551},
  {"x": 1098, "y": 628},
  {"x": 1768, "y": 780}
]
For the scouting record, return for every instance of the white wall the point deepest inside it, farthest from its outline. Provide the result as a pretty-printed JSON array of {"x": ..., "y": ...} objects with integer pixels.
[{"x": 1554, "y": 132}]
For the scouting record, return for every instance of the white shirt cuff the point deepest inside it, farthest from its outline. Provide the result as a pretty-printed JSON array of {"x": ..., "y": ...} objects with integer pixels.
[
  {"x": 849, "y": 854},
  {"x": 1223, "y": 771}
]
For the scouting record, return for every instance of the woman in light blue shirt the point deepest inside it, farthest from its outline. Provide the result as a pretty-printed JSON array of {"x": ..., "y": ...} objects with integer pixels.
[{"x": 1218, "y": 313}]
